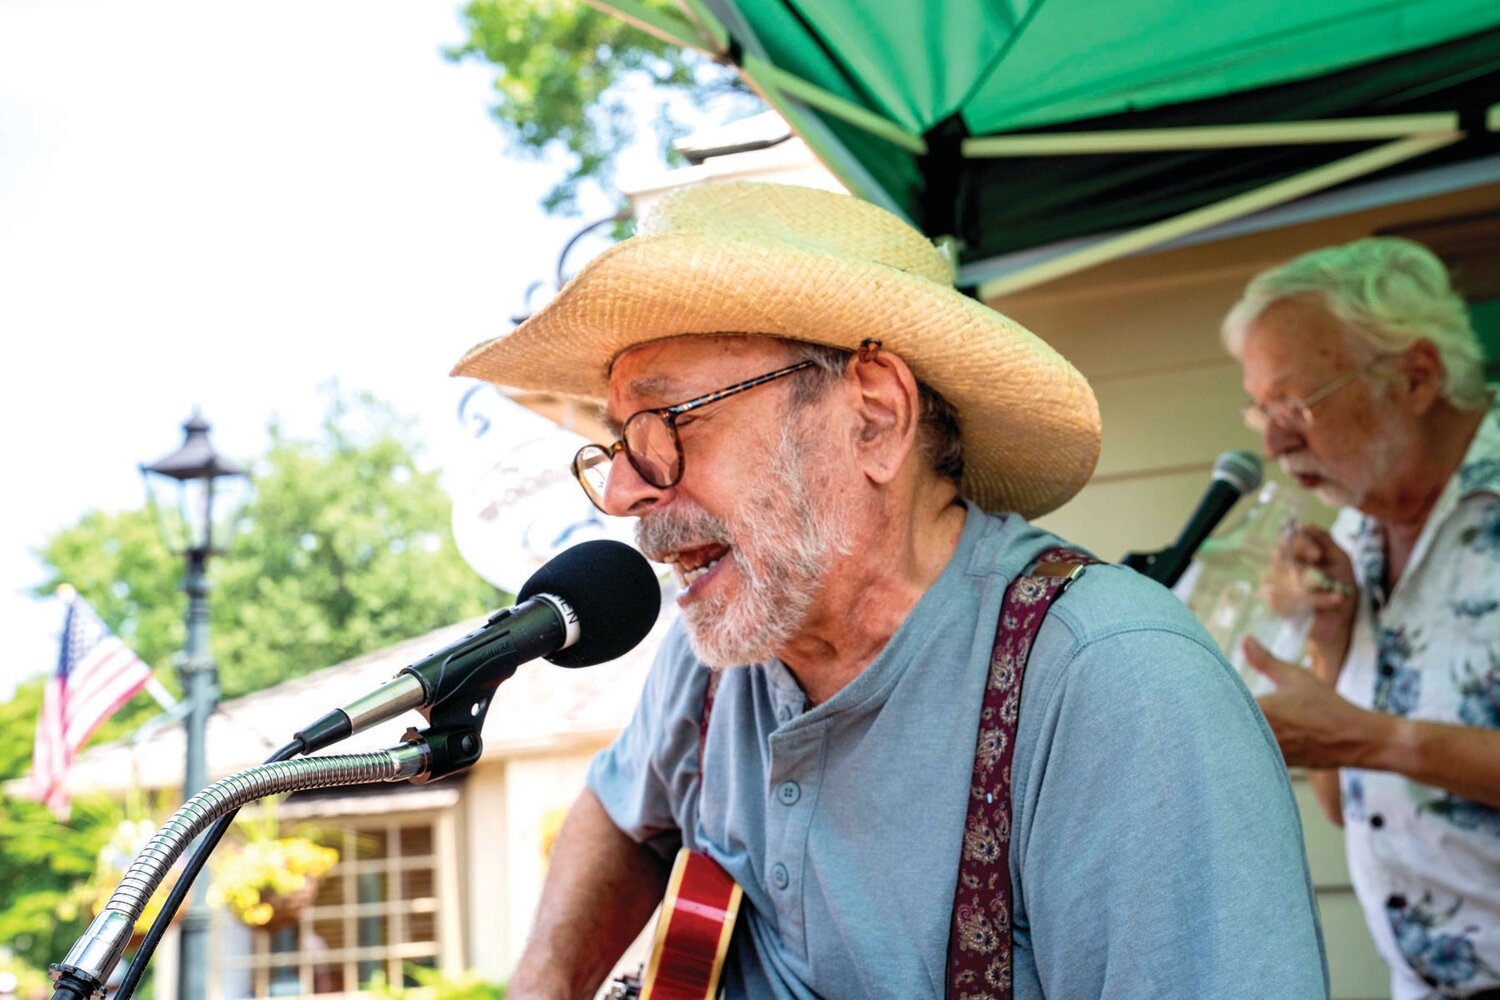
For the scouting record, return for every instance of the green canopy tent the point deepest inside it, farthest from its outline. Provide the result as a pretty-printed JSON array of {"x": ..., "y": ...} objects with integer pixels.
[{"x": 1049, "y": 136}]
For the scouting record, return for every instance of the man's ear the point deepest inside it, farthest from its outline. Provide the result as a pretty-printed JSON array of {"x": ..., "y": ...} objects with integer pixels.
[
  {"x": 1421, "y": 371},
  {"x": 887, "y": 411}
]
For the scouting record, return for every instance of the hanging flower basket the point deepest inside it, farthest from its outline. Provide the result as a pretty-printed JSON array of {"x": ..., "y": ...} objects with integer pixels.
[
  {"x": 286, "y": 908},
  {"x": 268, "y": 883}
]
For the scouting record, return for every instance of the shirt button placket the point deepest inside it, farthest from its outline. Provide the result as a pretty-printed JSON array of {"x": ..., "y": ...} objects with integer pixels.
[
  {"x": 789, "y": 793},
  {"x": 779, "y": 876}
]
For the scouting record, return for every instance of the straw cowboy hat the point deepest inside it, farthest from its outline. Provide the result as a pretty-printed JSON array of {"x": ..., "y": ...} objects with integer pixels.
[{"x": 741, "y": 257}]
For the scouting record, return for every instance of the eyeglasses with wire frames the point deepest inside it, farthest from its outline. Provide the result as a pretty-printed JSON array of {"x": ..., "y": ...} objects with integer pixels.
[
  {"x": 1297, "y": 414},
  {"x": 649, "y": 440}
]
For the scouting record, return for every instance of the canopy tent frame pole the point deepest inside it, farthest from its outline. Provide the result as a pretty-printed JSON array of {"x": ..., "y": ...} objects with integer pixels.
[
  {"x": 661, "y": 24},
  {"x": 700, "y": 30},
  {"x": 789, "y": 94},
  {"x": 1156, "y": 140},
  {"x": 709, "y": 28},
  {"x": 829, "y": 151},
  {"x": 770, "y": 75},
  {"x": 1284, "y": 190}
]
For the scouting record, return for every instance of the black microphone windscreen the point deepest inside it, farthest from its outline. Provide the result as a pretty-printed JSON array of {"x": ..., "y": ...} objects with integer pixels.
[{"x": 611, "y": 588}]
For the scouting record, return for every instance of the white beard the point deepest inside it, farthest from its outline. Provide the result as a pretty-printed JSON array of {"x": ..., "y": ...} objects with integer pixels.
[
  {"x": 1385, "y": 446},
  {"x": 786, "y": 535}
]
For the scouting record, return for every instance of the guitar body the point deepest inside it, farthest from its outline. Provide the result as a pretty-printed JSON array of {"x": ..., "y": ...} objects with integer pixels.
[{"x": 692, "y": 934}]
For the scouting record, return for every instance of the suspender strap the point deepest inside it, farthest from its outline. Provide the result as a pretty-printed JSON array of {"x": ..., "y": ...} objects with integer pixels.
[{"x": 979, "y": 937}]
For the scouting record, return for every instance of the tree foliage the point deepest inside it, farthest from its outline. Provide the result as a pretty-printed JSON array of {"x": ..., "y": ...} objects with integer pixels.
[
  {"x": 571, "y": 80},
  {"x": 41, "y": 860},
  {"x": 345, "y": 548}
]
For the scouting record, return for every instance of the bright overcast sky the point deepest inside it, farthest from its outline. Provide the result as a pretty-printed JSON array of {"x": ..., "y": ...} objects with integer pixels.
[{"x": 225, "y": 206}]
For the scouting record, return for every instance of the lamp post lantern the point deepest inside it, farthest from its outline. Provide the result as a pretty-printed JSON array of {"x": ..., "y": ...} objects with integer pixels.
[{"x": 198, "y": 473}]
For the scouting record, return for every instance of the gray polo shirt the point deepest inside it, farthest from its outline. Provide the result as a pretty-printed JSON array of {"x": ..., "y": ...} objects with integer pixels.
[{"x": 1156, "y": 851}]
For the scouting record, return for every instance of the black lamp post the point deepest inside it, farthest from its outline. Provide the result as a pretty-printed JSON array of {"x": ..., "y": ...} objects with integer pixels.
[{"x": 190, "y": 528}]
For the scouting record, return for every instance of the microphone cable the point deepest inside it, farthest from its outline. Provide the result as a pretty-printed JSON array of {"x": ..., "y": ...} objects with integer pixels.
[{"x": 190, "y": 870}]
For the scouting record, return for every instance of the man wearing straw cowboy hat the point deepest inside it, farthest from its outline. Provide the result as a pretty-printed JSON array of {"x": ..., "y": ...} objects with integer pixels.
[{"x": 813, "y": 426}]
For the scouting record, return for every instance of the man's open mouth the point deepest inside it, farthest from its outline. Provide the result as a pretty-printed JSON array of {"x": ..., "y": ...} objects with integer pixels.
[{"x": 690, "y": 564}]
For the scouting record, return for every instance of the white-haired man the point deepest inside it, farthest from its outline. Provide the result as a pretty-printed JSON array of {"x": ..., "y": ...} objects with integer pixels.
[
  {"x": 1367, "y": 386},
  {"x": 812, "y": 423}
]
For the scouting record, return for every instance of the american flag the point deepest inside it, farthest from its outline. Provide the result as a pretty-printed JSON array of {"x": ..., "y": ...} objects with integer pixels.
[{"x": 96, "y": 674}]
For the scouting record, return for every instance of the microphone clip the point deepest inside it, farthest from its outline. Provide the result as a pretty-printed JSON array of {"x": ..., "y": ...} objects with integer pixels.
[
  {"x": 1142, "y": 562},
  {"x": 449, "y": 749},
  {"x": 452, "y": 737}
]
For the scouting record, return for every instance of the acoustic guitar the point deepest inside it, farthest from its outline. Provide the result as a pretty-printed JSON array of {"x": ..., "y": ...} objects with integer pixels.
[{"x": 692, "y": 935}]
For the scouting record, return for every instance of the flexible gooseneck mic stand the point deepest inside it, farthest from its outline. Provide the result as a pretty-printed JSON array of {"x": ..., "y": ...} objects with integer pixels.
[
  {"x": 426, "y": 755},
  {"x": 605, "y": 583},
  {"x": 94, "y": 955}
]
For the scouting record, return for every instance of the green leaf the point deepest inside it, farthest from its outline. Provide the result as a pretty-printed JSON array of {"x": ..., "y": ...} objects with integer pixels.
[{"x": 571, "y": 82}]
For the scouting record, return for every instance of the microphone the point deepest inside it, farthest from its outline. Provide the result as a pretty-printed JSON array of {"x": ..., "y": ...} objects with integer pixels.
[
  {"x": 1235, "y": 474},
  {"x": 591, "y": 603}
]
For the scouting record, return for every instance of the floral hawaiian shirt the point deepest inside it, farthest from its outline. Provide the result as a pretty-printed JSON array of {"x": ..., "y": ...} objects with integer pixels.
[{"x": 1424, "y": 862}]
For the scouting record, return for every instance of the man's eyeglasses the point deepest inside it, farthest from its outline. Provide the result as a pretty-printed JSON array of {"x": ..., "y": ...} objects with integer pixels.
[
  {"x": 1297, "y": 414},
  {"x": 649, "y": 440}
]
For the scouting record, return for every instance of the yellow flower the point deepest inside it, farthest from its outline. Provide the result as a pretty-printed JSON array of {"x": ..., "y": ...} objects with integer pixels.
[{"x": 265, "y": 868}]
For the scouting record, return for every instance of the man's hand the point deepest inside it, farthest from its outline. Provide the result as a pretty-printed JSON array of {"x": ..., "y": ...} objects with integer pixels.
[
  {"x": 1318, "y": 729},
  {"x": 1311, "y": 573},
  {"x": 1315, "y": 727}
]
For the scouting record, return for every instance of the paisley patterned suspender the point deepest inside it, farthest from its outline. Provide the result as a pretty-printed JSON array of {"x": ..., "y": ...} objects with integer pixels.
[{"x": 979, "y": 937}]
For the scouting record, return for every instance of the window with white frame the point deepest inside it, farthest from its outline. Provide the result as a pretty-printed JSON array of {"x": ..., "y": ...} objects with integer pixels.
[{"x": 374, "y": 913}]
